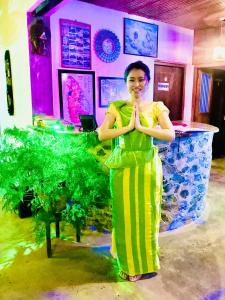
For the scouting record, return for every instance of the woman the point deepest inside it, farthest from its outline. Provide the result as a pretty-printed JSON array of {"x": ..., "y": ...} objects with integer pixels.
[{"x": 136, "y": 174}]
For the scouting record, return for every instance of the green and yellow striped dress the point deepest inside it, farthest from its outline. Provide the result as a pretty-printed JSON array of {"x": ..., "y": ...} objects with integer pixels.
[{"x": 136, "y": 188}]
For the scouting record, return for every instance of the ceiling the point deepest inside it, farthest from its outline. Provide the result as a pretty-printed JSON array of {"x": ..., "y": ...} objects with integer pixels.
[{"x": 192, "y": 14}]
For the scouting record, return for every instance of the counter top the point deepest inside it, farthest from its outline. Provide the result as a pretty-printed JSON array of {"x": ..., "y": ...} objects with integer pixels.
[
  {"x": 186, "y": 126},
  {"x": 179, "y": 126}
]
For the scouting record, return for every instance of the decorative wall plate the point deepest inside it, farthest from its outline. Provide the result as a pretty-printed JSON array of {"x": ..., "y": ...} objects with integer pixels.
[{"x": 107, "y": 45}]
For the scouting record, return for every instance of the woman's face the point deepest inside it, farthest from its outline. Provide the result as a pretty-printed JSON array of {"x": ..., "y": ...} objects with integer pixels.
[{"x": 137, "y": 82}]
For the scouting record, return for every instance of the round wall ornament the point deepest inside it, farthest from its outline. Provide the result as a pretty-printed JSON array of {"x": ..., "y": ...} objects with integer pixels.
[{"x": 107, "y": 45}]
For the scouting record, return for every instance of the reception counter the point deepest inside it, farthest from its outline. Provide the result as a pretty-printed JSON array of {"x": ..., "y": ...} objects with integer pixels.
[{"x": 186, "y": 169}]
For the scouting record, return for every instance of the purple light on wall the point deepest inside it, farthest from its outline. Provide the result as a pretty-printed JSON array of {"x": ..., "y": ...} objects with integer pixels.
[{"x": 174, "y": 36}]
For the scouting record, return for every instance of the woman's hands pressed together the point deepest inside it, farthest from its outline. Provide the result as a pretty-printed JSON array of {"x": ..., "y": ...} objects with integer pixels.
[
  {"x": 131, "y": 124},
  {"x": 135, "y": 119}
]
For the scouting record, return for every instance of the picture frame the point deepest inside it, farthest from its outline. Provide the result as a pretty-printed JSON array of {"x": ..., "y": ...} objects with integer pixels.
[
  {"x": 140, "y": 38},
  {"x": 75, "y": 43},
  {"x": 111, "y": 89},
  {"x": 77, "y": 94}
]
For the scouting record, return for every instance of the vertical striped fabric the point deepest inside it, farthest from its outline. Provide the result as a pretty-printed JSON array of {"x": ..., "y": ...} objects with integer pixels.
[
  {"x": 136, "y": 193},
  {"x": 206, "y": 80},
  {"x": 136, "y": 189}
]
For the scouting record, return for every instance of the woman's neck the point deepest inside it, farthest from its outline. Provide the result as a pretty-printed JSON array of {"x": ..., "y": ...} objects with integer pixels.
[{"x": 135, "y": 100}]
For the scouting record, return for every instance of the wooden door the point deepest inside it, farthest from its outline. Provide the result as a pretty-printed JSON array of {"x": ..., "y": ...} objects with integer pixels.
[
  {"x": 168, "y": 87},
  {"x": 203, "y": 96}
]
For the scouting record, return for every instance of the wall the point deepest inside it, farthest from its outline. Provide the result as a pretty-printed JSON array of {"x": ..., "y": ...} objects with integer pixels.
[
  {"x": 175, "y": 45},
  {"x": 13, "y": 37}
]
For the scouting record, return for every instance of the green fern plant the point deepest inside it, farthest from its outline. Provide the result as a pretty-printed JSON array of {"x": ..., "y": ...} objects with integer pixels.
[{"x": 60, "y": 170}]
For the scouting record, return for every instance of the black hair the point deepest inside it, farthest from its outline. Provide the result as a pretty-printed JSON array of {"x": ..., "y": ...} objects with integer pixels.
[{"x": 139, "y": 65}]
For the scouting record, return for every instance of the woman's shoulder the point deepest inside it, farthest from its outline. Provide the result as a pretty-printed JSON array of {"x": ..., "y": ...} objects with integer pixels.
[
  {"x": 115, "y": 106},
  {"x": 118, "y": 103},
  {"x": 156, "y": 104},
  {"x": 153, "y": 103},
  {"x": 159, "y": 107},
  {"x": 153, "y": 107},
  {"x": 147, "y": 105}
]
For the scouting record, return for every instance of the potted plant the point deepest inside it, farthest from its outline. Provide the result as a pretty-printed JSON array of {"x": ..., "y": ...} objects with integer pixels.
[{"x": 60, "y": 171}]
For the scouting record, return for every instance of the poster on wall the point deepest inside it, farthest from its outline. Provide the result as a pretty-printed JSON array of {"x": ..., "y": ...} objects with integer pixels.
[
  {"x": 75, "y": 44},
  {"x": 77, "y": 94},
  {"x": 140, "y": 38},
  {"x": 111, "y": 89}
]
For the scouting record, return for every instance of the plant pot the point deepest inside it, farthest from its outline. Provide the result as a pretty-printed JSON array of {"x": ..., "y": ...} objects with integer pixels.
[{"x": 24, "y": 208}]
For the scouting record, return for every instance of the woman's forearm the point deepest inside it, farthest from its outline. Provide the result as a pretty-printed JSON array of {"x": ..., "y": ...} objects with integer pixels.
[
  {"x": 110, "y": 133},
  {"x": 159, "y": 133}
]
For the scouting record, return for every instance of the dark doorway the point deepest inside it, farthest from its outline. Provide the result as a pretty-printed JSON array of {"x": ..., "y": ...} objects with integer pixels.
[
  {"x": 168, "y": 87},
  {"x": 217, "y": 115},
  {"x": 216, "y": 109}
]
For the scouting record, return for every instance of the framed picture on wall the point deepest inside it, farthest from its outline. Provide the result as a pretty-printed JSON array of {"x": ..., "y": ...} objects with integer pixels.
[
  {"x": 75, "y": 44},
  {"x": 140, "y": 38},
  {"x": 77, "y": 94},
  {"x": 111, "y": 89}
]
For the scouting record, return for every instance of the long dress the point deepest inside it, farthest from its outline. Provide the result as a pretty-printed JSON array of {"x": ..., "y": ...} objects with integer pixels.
[{"x": 136, "y": 189}]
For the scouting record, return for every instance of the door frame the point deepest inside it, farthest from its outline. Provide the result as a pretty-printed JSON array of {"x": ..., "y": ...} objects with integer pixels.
[
  {"x": 196, "y": 91},
  {"x": 178, "y": 65},
  {"x": 195, "y": 77}
]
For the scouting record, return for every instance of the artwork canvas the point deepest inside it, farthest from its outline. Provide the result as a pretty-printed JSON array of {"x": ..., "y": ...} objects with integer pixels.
[
  {"x": 75, "y": 44},
  {"x": 111, "y": 89},
  {"x": 140, "y": 38},
  {"x": 77, "y": 94}
]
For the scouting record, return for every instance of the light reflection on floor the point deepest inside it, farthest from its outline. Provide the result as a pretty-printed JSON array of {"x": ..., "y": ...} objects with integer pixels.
[{"x": 215, "y": 295}]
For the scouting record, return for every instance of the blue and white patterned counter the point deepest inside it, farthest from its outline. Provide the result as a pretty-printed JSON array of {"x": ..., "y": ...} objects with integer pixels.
[{"x": 186, "y": 169}]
